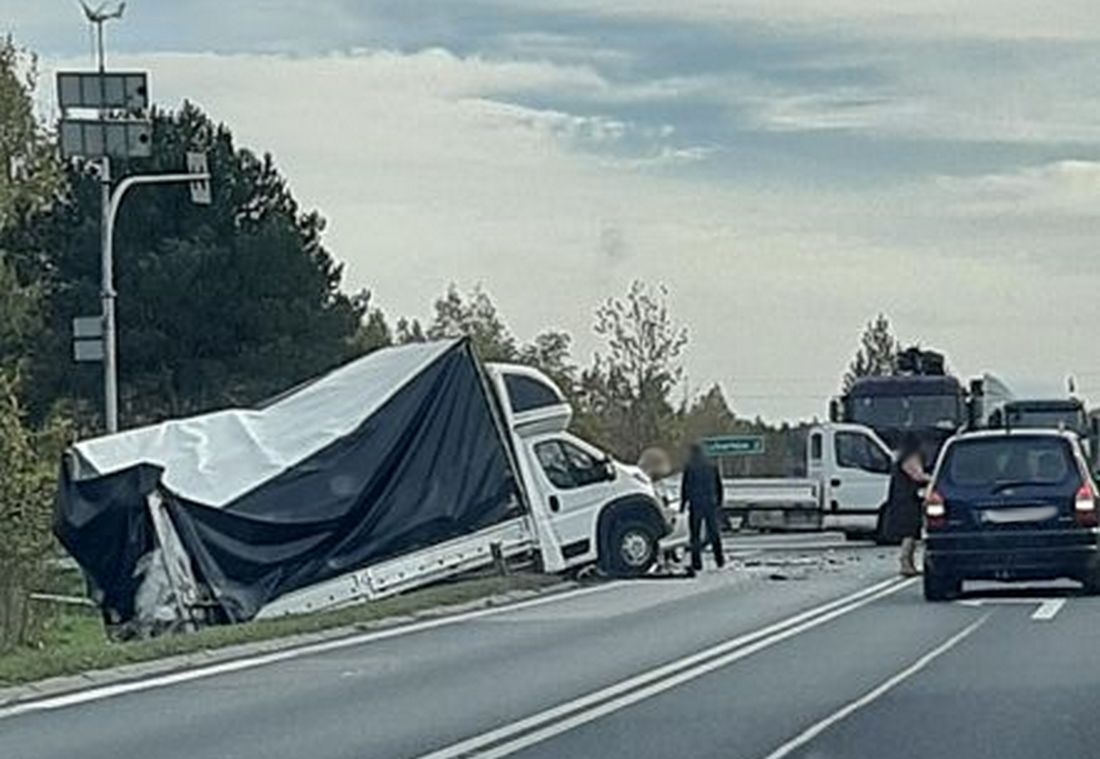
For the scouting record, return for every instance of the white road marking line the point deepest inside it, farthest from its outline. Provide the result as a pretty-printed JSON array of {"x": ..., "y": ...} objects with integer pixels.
[
  {"x": 236, "y": 665},
  {"x": 846, "y": 711},
  {"x": 1048, "y": 609},
  {"x": 542, "y": 725},
  {"x": 1001, "y": 601}
]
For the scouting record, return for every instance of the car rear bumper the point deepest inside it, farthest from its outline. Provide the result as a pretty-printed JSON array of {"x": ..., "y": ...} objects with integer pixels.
[{"x": 1019, "y": 555}]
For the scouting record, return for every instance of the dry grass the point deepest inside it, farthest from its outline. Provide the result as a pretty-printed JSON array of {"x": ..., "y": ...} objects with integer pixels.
[{"x": 74, "y": 641}]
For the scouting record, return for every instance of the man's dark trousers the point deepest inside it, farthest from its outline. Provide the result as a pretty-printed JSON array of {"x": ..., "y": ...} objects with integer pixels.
[{"x": 697, "y": 516}]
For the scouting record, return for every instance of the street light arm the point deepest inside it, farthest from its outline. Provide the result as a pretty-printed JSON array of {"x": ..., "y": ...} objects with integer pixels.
[
  {"x": 112, "y": 200},
  {"x": 140, "y": 179}
]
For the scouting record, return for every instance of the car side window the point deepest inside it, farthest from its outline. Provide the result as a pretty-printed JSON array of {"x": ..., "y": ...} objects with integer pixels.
[
  {"x": 525, "y": 393},
  {"x": 585, "y": 468},
  {"x": 857, "y": 451},
  {"x": 554, "y": 463}
]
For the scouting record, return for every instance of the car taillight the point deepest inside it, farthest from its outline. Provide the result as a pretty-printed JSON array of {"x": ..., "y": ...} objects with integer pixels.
[
  {"x": 935, "y": 510},
  {"x": 1084, "y": 506}
]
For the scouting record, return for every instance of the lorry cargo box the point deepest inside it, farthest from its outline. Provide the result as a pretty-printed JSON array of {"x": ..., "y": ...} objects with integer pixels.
[{"x": 401, "y": 449}]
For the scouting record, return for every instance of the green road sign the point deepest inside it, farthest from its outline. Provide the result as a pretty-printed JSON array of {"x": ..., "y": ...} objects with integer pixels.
[{"x": 734, "y": 445}]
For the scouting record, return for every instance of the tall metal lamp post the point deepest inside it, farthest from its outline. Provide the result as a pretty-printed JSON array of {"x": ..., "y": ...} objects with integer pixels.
[{"x": 106, "y": 115}]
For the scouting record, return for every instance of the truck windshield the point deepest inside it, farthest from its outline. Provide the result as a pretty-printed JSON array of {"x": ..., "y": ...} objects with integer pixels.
[
  {"x": 907, "y": 411},
  {"x": 1068, "y": 419}
]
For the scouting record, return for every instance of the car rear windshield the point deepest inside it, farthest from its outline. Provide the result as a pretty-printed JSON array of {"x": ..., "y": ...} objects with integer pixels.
[{"x": 1018, "y": 460}]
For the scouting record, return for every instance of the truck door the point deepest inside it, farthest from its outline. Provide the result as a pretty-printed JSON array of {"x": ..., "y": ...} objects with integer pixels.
[
  {"x": 577, "y": 482},
  {"x": 858, "y": 481}
]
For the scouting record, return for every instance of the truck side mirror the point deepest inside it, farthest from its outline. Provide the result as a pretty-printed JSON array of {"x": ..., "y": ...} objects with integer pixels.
[
  {"x": 607, "y": 466},
  {"x": 834, "y": 410}
]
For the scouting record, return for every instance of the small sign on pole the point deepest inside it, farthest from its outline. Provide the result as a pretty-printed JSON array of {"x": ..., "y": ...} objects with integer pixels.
[
  {"x": 88, "y": 351},
  {"x": 87, "y": 327},
  {"x": 88, "y": 338},
  {"x": 734, "y": 445},
  {"x": 200, "y": 186}
]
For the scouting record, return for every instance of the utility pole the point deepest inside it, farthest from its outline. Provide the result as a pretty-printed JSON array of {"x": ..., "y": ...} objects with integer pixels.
[
  {"x": 97, "y": 18},
  {"x": 121, "y": 128},
  {"x": 107, "y": 275}
]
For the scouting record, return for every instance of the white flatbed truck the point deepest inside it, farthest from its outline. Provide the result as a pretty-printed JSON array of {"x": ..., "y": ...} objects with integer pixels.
[{"x": 848, "y": 476}]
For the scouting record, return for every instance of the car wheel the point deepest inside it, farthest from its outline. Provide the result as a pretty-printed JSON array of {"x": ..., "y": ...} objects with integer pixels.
[
  {"x": 940, "y": 587},
  {"x": 632, "y": 547}
]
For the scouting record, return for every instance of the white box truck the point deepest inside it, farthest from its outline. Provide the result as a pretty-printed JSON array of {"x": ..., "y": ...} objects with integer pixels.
[{"x": 403, "y": 467}]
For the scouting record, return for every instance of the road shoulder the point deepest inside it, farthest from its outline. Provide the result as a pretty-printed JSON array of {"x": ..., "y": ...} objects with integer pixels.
[{"x": 209, "y": 649}]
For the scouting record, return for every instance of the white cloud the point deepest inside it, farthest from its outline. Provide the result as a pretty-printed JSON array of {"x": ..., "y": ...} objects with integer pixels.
[
  {"x": 845, "y": 109},
  {"x": 429, "y": 175},
  {"x": 929, "y": 93},
  {"x": 556, "y": 124},
  {"x": 1070, "y": 187}
]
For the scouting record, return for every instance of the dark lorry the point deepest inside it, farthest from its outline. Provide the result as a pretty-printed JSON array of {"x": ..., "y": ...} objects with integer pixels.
[
  {"x": 931, "y": 407},
  {"x": 1067, "y": 414}
]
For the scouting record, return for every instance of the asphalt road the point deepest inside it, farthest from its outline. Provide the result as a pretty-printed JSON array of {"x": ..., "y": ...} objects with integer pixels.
[{"x": 808, "y": 647}]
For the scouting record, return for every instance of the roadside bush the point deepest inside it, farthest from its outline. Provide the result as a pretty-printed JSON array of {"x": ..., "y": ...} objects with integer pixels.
[{"x": 27, "y": 481}]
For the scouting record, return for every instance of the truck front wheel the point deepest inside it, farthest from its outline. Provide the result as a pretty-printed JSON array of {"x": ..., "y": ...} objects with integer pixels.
[{"x": 632, "y": 547}]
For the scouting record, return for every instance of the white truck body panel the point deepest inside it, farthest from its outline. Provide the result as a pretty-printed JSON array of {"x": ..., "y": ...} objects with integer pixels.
[
  {"x": 402, "y": 573},
  {"x": 562, "y": 525}
]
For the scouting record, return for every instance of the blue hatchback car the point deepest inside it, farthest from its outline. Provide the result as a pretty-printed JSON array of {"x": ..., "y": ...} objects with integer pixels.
[{"x": 1010, "y": 505}]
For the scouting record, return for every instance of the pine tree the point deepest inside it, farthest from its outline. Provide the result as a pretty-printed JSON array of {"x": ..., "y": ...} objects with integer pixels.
[
  {"x": 877, "y": 355},
  {"x": 218, "y": 305}
]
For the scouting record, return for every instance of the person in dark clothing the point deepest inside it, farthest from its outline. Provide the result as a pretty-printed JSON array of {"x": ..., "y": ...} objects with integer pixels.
[
  {"x": 903, "y": 520},
  {"x": 701, "y": 494}
]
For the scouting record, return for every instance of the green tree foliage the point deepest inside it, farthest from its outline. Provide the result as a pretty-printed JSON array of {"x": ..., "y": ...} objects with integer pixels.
[
  {"x": 475, "y": 317},
  {"x": 409, "y": 331},
  {"x": 373, "y": 333},
  {"x": 29, "y": 177},
  {"x": 710, "y": 415},
  {"x": 28, "y": 170},
  {"x": 21, "y": 322},
  {"x": 551, "y": 352},
  {"x": 26, "y": 494},
  {"x": 707, "y": 416},
  {"x": 221, "y": 304},
  {"x": 877, "y": 354},
  {"x": 626, "y": 394},
  {"x": 28, "y": 181}
]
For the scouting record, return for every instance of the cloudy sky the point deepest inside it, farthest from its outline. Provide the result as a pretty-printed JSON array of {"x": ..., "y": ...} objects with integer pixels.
[{"x": 787, "y": 168}]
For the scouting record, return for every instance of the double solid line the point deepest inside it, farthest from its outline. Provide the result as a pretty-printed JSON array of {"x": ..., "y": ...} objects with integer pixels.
[{"x": 546, "y": 724}]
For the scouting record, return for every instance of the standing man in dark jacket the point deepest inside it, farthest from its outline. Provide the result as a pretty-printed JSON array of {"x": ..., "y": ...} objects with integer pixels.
[{"x": 701, "y": 494}]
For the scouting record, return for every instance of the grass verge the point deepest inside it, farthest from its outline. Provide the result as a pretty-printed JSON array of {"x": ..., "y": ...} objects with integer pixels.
[{"x": 75, "y": 642}]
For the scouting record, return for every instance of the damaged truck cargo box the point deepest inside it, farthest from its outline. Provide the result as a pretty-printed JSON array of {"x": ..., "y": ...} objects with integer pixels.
[{"x": 401, "y": 449}]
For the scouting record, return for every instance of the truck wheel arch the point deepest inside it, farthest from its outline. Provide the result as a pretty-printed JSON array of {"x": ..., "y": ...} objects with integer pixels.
[{"x": 633, "y": 506}]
